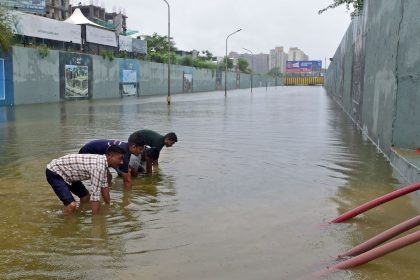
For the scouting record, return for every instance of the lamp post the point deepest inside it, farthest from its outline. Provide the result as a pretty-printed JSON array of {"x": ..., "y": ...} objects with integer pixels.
[
  {"x": 226, "y": 56},
  {"x": 252, "y": 64},
  {"x": 168, "y": 98}
]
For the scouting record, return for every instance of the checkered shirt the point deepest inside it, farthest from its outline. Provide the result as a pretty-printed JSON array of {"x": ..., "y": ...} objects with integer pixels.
[{"x": 79, "y": 167}]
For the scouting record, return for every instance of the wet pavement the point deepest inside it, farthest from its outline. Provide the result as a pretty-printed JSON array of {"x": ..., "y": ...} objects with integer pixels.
[{"x": 242, "y": 195}]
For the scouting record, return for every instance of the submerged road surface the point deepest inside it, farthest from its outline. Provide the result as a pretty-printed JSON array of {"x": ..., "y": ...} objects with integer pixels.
[{"x": 240, "y": 196}]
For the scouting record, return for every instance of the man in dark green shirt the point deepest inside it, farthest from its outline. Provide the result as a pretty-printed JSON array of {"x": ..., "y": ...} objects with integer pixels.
[{"x": 154, "y": 140}]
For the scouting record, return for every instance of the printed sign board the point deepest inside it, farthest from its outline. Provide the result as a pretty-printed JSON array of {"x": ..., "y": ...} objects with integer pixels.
[
  {"x": 125, "y": 43},
  {"x": 100, "y": 36},
  {"x": 46, "y": 28},
  {"x": 129, "y": 77},
  {"x": 139, "y": 46},
  {"x": 75, "y": 76},
  {"x": 27, "y": 6},
  {"x": 293, "y": 66}
]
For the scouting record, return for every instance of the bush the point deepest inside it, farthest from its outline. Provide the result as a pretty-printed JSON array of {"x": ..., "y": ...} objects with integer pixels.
[
  {"x": 43, "y": 50},
  {"x": 107, "y": 54}
]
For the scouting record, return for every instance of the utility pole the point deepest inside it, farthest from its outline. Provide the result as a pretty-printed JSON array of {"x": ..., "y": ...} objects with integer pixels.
[{"x": 227, "y": 58}]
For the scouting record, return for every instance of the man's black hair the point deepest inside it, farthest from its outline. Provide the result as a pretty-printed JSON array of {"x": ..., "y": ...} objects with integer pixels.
[
  {"x": 136, "y": 139},
  {"x": 171, "y": 136},
  {"x": 114, "y": 149}
]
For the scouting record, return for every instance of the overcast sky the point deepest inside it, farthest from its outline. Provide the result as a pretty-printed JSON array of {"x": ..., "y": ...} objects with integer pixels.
[{"x": 204, "y": 24}]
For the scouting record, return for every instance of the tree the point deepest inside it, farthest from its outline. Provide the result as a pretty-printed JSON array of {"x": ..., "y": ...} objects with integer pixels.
[
  {"x": 222, "y": 65},
  {"x": 157, "y": 44},
  {"x": 186, "y": 60},
  {"x": 357, "y": 6},
  {"x": 207, "y": 54},
  {"x": 6, "y": 35},
  {"x": 243, "y": 65}
]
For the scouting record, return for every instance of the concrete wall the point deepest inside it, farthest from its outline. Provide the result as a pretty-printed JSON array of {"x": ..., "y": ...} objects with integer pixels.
[
  {"x": 375, "y": 73},
  {"x": 407, "y": 119},
  {"x": 37, "y": 80},
  {"x": 105, "y": 78}
]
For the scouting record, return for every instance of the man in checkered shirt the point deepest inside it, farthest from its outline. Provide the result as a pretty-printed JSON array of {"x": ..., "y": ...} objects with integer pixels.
[{"x": 66, "y": 173}]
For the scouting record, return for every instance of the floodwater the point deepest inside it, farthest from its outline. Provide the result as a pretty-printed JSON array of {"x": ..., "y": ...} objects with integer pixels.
[{"x": 242, "y": 195}]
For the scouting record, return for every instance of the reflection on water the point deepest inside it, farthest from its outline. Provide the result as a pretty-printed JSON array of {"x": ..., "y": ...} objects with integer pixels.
[{"x": 240, "y": 196}]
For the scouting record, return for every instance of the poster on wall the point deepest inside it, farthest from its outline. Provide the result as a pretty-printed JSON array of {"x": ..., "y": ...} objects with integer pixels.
[
  {"x": 2, "y": 81},
  {"x": 129, "y": 70},
  {"x": 75, "y": 76},
  {"x": 187, "y": 81},
  {"x": 218, "y": 79},
  {"x": 238, "y": 80}
]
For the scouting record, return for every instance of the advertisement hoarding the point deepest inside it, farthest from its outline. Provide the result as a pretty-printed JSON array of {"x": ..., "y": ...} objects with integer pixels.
[
  {"x": 139, "y": 46},
  {"x": 125, "y": 43},
  {"x": 293, "y": 66},
  {"x": 27, "y": 6},
  {"x": 129, "y": 70},
  {"x": 45, "y": 28},
  {"x": 75, "y": 76},
  {"x": 100, "y": 36}
]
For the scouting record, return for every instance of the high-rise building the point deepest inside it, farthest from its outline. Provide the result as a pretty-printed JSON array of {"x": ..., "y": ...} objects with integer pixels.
[
  {"x": 296, "y": 54},
  {"x": 278, "y": 59},
  {"x": 261, "y": 63},
  {"x": 57, "y": 9}
]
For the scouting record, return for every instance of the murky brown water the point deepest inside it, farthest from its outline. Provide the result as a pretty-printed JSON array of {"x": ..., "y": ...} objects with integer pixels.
[{"x": 240, "y": 196}]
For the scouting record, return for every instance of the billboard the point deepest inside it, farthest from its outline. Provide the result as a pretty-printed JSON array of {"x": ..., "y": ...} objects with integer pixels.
[
  {"x": 139, "y": 46},
  {"x": 125, "y": 43},
  {"x": 100, "y": 36},
  {"x": 295, "y": 66},
  {"x": 27, "y": 6},
  {"x": 46, "y": 28}
]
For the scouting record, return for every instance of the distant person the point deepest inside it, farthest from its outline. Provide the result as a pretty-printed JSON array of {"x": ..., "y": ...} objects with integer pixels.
[
  {"x": 144, "y": 162},
  {"x": 134, "y": 146},
  {"x": 65, "y": 175},
  {"x": 157, "y": 141}
]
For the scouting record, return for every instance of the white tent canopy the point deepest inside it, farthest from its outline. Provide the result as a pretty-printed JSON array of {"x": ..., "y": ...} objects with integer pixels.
[{"x": 78, "y": 18}]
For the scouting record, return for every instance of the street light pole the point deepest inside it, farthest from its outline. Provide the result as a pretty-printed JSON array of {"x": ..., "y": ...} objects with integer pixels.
[
  {"x": 227, "y": 58},
  {"x": 252, "y": 64},
  {"x": 168, "y": 98}
]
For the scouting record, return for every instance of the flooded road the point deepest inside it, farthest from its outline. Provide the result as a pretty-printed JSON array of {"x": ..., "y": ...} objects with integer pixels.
[{"x": 240, "y": 196}]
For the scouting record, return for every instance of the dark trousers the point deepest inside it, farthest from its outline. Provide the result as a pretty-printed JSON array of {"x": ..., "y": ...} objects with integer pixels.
[{"x": 63, "y": 190}]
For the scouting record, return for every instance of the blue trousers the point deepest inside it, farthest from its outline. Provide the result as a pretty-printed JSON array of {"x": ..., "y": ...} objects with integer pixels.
[{"x": 63, "y": 190}]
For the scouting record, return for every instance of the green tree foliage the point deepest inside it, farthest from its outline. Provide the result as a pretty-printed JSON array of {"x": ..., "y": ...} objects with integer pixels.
[
  {"x": 208, "y": 55},
  {"x": 243, "y": 65},
  {"x": 157, "y": 48},
  {"x": 6, "y": 35},
  {"x": 356, "y": 4},
  {"x": 186, "y": 60},
  {"x": 199, "y": 62},
  {"x": 222, "y": 65}
]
